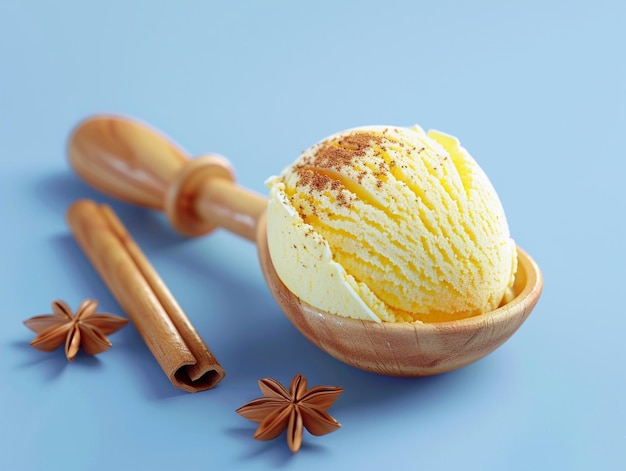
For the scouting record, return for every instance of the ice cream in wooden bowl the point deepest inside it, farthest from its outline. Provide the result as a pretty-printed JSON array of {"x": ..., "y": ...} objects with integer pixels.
[{"x": 387, "y": 247}]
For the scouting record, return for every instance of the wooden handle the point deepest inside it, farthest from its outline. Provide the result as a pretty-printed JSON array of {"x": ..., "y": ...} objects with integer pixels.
[{"x": 135, "y": 163}]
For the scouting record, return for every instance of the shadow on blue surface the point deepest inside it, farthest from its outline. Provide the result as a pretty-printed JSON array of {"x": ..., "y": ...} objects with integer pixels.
[
  {"x": 53, "y": 364},
  {"x": 59, "y": 191},
  {"x": 275, "y": 451}
]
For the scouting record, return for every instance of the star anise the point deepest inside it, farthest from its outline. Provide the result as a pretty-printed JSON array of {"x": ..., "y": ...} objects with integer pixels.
[
  {"x": 293, "y": 409},
  {"x": 86, "y": 329}
]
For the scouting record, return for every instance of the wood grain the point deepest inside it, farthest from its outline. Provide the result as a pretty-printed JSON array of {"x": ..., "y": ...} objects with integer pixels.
[{"x": 129, "y": 160}]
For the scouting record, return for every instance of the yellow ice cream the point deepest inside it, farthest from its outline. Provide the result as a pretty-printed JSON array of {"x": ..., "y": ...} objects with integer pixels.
[{"x": 390, "y": 224}]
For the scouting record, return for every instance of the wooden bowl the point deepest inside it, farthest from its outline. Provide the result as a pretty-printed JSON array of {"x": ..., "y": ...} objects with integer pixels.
[{"x": 407, "y": 348}]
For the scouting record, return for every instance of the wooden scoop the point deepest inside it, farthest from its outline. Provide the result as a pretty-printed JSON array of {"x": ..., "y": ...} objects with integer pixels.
[{"x": 133, "y": 162}]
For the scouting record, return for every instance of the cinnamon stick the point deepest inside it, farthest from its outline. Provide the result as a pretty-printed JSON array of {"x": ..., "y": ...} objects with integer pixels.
[{"x": 142, "y": 294}]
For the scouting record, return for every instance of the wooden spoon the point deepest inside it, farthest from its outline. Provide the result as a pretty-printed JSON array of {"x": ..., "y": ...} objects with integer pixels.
[{"x": 133, "y": 162}]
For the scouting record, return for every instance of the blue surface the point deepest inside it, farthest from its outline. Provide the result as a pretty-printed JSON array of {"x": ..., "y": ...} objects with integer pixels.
[{"x": 535, "y": 90}]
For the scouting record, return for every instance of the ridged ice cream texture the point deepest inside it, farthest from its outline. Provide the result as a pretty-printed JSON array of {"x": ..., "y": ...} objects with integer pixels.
[{"x": 391, "y": 224}]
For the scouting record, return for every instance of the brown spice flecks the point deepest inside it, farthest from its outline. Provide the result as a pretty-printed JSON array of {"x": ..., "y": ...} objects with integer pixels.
[
  {"x": 383, "y": 169},
  {"x": 336, "y": 155},
  {"x": 314, "y": 210},
  {"x": 323, "y": 171},
  {"x": 342, "y": 199},
  {"x": 315, "y": 180}
]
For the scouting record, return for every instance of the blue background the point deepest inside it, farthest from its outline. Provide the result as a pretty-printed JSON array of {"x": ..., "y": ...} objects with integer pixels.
[{"x": 535, "y": 90}]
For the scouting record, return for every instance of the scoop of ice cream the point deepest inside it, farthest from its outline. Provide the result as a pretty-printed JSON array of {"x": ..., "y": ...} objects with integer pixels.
[{"x": 391, "y": 224}]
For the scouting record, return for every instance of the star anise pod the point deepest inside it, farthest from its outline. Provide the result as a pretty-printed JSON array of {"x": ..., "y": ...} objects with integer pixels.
[
  {"x": 86, "y": 329},
  {"x": 293, "y": 409}
]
